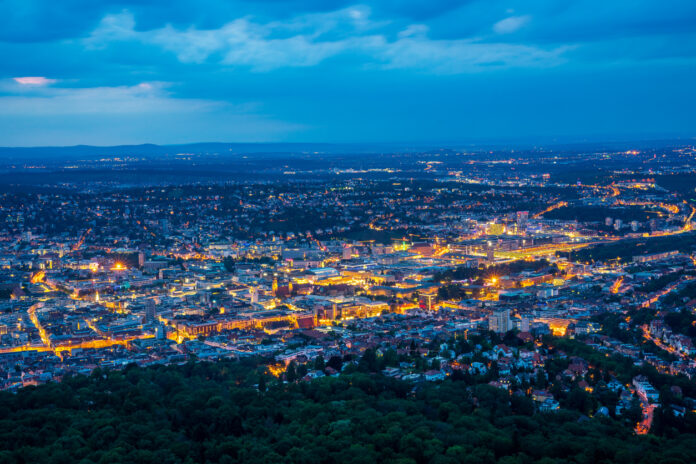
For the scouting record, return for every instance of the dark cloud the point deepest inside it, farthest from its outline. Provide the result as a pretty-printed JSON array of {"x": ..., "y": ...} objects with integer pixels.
[{"x": 46, "y": 20}]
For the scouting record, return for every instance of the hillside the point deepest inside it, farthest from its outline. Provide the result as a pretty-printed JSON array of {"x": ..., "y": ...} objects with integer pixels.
[{"x": 213, "y": 413}]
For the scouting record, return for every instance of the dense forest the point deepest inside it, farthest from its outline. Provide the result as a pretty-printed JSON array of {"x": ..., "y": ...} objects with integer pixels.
[
  {"x": 515, "y": 267},
  {"x": 627, "y": 249},
  {"x": 599, "y": 213},
  {"x": 230, "y": 412},
  {"x": 682, "y": 183}
]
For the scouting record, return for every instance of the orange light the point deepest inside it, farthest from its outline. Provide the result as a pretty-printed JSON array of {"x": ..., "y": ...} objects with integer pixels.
[
  {"x": 119, "y": 267},
  {"x": 558, "y": 330}
]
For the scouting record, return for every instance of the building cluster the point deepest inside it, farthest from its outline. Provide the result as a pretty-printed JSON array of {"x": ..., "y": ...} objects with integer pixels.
[{"x": 464, "y": 273}]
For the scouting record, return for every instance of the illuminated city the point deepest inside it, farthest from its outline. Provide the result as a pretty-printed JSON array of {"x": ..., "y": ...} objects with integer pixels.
[
  {"x": 447, "y": 232},
  {"x": 329, "y": 261}
]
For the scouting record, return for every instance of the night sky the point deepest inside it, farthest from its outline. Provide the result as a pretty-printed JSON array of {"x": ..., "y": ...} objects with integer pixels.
[{"x": 108, "y": 72}]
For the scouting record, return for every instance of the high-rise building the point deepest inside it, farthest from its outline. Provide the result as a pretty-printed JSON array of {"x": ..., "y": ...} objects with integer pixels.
[
  {"x": 150, "y": 311},
  {"x": 522, "y": 218},
  {"x": 347, "y": 252},
  {"x": 164, "y": 223},
  {"x": 499, "y": 321},
  {"x": 521, "y": 324},
  {"x": 426, "y": 301},
  {"x": 490, "y": 255},
  {"x": 254, "y": 294}
]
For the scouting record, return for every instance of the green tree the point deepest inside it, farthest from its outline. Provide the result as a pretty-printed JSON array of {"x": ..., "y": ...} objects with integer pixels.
[{"x": 291, "y": 372}]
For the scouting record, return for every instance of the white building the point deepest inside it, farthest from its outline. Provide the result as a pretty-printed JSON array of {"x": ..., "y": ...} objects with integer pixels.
[{"x": 499, "y": 321}]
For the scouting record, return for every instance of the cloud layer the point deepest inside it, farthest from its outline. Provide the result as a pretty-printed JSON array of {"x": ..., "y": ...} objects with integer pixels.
[
  {"x": 341, "y": 70},
  {"x": 309, "y": 40}
]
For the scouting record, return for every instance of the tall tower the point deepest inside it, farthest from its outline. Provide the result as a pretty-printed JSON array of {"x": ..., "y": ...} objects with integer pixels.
[
  {"x": 150, "y": 311},
  {"x": 164, "y": 223},
  {"x": 347, "y": 252},
  {"x": 524, "y": 324},
  {"x": 499, "y": 321},
  {"x": 254, "y": 295}
]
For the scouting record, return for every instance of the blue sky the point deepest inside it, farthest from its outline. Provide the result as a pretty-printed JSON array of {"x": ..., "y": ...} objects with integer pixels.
[{"x": 117, "y": 72}]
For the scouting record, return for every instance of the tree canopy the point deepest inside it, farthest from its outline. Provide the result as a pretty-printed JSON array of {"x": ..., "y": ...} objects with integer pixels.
[{"x": 215, "y": 413}]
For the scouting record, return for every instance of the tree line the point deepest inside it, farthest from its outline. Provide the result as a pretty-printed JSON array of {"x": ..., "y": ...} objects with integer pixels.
[{"x": 231, "y": 411}]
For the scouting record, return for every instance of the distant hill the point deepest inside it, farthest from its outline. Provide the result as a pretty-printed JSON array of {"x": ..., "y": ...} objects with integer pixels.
[
  {"x": 149, "y": 150},
  {"x": 222, "y": 149}
]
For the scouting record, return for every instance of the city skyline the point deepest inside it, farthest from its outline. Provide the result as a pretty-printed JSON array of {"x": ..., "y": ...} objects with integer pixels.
[{"x": 559, "y": 283}]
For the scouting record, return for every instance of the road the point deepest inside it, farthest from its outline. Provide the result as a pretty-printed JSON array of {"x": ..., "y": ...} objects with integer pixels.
[
  {"x": 31, "y": 312},
  {"x": 57, "y": 349},
  {"x": 661, "y": 345},
  {"x": 643, "y": 427}
]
